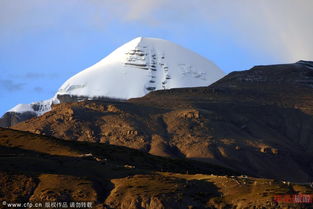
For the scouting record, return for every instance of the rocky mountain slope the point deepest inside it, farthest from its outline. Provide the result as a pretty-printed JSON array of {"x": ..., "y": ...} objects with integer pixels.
[
  {"x": 40, "y": 169},
  {"x": 257, "y": 122}
]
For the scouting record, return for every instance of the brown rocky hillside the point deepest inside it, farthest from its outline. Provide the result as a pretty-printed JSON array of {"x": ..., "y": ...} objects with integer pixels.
[
  {"x": 258, "y": 122},
  {"x": 39, "y": 169}
]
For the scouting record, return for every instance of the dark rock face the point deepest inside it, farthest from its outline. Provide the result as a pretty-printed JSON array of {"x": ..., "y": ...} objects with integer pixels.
[
  {"x": 298, "y": 74},
  {"x": 307, "y": 64},
  {"x": 66, "y": 98},
  {"x": 12, "y": 118},
  {"x": 258, "y": 122}
]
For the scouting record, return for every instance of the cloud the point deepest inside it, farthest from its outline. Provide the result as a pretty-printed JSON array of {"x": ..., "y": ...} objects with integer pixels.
[
  {"x": 141, "y": 10},
  {"x": 291, "y": 21},
  {"x": 280, "y": 28},
  {"x": 10, "y": 85},
  {"x": 31, "y": 75},
  {"x": 38, "y": 89},
  {"x": 36, "y": 75}
]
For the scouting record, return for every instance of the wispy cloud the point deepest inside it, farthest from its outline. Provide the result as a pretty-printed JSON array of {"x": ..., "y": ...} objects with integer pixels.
[
  {"x": 11, "y": 86},
  {"x": 281, "y": 27},
  {"x": 36, "y": 75},
  {"x": 33, "y": 75},
  {"x": 38, "y": 89}
]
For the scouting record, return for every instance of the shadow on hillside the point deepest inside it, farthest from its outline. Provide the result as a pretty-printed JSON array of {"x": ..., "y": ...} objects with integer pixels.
[{"x": 30, "y": 163}]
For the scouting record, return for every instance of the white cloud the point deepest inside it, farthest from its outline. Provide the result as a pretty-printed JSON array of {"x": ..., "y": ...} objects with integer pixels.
[
  {"x": 10, "y": 85},
  {"x": 280, "y": 28}
]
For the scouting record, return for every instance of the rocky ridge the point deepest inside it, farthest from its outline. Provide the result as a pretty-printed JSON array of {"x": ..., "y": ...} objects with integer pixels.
[{"x": 257, "y": 122}]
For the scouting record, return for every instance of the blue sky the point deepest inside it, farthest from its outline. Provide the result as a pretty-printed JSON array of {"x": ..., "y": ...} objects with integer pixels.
[{"x": 44, "y": 42}]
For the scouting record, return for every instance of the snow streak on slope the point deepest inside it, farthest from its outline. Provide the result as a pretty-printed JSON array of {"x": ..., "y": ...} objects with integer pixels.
[
  {"x": 37, "y": 107},
  {"x": 140, "y": 66}
]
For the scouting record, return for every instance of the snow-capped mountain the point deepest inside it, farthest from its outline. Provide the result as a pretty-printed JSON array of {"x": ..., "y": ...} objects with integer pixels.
[
  {"x": 133, "y": 70},
  {"x": 140, "y": 66}
]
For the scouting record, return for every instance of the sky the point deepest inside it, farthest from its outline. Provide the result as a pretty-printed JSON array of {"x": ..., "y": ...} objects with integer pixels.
[{"x": 45, "y": 42}]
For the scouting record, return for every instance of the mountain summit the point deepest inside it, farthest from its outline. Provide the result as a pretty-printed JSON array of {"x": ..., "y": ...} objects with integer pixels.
[
  {"x": 141, "y": 66},
  {"x": 133, "y": 70}
]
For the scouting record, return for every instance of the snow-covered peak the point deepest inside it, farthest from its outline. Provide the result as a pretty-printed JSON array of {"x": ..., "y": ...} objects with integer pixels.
[
  {"x": 140, "y": 66},
  {"x": 133, "y": 70}
]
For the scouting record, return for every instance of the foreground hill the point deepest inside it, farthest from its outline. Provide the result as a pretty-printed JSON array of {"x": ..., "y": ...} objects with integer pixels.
[
  {"x": 40, "y": 169},
  {"x": 257, "y": 122}
]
